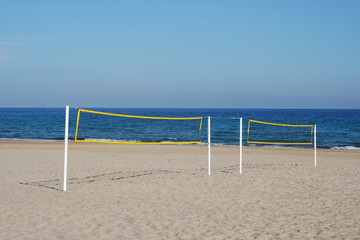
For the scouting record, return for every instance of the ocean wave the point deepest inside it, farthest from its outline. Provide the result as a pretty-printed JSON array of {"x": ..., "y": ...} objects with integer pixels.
[
  {"x": 126, "y": 141},
  {"x": 346, "y": 148},
  {"x": 30, "y": 139},
  {"x": 110, "y": 140},
  {"x": 219, "y": 144}
]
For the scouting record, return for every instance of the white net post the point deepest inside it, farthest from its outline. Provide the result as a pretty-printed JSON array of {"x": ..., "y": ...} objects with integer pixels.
[
  {"x": 209, "y": 163},
  {"x": 315, "y": 145},
  {"x": 240, "y": 165},
  {"x": 66, "y": 138}
]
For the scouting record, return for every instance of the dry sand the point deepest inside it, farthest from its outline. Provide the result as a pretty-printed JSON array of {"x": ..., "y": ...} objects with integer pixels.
[{"x": 164, "y": 192}]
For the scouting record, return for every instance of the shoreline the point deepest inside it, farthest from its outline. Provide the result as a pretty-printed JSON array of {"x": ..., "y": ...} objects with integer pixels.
[{"x": 342, "y": 148}]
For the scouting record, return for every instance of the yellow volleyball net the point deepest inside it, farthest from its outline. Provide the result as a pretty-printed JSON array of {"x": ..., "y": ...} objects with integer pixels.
[
  {"x": 104, "y": 127},
  {"x": 275, "y": 133}
]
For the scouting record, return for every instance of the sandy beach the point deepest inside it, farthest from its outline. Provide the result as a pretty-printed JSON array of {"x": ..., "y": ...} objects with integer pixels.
[{"x": 164, "y": 192}]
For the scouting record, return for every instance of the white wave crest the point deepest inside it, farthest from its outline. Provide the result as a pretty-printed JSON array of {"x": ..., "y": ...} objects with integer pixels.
[
  {"x": 346, "y": 148},
  {"x": 30, "y": 139},
  {"x": 109, "y": 140},
  {"x": 219, "y": 144}
]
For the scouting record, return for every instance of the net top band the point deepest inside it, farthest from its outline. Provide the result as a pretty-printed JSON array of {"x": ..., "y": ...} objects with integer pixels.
[
  {"x": 279, "y": 124},
  {"x": 134, "y": 116}
]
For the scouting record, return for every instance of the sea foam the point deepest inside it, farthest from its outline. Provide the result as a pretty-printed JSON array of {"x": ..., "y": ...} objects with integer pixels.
[{"x": 346, "y": 148}]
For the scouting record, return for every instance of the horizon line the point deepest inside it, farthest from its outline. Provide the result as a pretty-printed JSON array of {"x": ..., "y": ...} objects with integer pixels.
[{"x": 297, "y": 108}]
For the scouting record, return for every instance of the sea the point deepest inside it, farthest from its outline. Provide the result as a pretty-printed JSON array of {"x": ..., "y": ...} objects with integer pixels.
[{"x": 335, "y": 128}]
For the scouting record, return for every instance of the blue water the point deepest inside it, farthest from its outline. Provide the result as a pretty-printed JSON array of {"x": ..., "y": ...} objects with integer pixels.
[{"x": 335, "y": 128}]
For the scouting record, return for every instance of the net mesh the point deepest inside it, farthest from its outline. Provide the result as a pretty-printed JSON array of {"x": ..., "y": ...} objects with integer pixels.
[
  {"x": 275, "y": 133},
  {"x": 103, "y": 127}
]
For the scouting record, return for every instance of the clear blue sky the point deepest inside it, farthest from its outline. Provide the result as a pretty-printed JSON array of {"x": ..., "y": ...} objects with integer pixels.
[{"x": 242, "y": 54}]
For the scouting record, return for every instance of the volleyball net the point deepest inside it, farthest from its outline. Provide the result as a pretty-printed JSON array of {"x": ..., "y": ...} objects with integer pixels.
[
  {"x": 280, "y": 134},
  {"x": 104, "y": 127}
]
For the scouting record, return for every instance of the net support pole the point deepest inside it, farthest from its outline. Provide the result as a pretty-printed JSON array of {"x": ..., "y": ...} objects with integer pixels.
[
  {"x": 315, "y": 145},
  {"x": 209, "y": 160},
  {"x": 240, "y": 164},
  {"x": 66, "y": 139}
]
